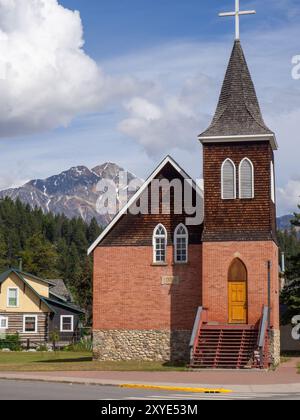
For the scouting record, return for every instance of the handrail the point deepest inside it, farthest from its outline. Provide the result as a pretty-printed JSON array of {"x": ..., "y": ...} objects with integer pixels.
[
  {"x": 262, "y": 333},
  {"x": 196, "y": 330}
]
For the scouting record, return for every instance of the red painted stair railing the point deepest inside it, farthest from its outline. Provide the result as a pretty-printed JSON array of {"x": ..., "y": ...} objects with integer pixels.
[{"x": 228, "y": 346}]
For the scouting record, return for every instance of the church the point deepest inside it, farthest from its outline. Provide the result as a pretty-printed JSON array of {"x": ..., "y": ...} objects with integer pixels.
[{"x": 167, "y": 287}]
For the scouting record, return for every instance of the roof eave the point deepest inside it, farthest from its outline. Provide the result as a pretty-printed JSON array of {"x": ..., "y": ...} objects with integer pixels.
[{"x": 242, "y": 138}]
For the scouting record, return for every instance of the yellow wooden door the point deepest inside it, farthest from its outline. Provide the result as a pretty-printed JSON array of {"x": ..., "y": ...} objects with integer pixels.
[{"x": 237, "y": 302}]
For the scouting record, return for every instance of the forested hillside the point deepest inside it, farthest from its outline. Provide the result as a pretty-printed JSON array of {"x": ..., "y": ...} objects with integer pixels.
[
  {"x": 50, "y": 246},
  {"x": 289, "y": 243}
]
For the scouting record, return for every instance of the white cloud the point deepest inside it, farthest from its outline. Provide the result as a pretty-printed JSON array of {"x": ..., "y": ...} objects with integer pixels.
[
  {"x": 288, "y": 198},
  {"x": 47, "y": 78}
]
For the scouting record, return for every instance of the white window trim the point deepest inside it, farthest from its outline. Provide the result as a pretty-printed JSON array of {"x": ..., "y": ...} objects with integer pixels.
[
  {"x": 165, "y": 236},
  {"x": 186, "y": 236},
  {"x": 24, "y": 323},
  {"x": 273, "y": 190},
  {"x": 62, "y": 317},
  {"x": 222, "y": 179},
  {"x": 240, "y": 179},
  {"x": 18, "y": 297},
  {"x": 6, "y": 322}
]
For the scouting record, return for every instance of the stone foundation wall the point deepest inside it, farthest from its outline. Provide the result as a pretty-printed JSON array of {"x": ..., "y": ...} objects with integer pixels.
[
  {"x": 275, "y": 347},
  {"x": 151, "y": 345}
]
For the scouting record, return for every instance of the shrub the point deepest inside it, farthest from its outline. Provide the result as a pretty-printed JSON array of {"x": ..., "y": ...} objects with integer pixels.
[
  {"x": 11, "y": 342},
  {"x": 83, "y": 346}
]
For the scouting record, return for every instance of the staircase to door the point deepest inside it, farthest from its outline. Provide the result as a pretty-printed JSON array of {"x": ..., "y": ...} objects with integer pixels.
[{"x": 225, "y": 347}]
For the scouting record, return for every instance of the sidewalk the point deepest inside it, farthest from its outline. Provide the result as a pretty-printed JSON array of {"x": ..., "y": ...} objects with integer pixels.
[{"x": 284, "y": 380}]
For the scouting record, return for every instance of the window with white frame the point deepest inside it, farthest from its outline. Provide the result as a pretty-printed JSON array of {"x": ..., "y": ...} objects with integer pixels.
[
  {"x": 67, "y": 323},
  {"x": 12, "y": 297},
  {"x": 228, "y": 180},
  {"x": 273, "y": 195},
  {"x": 30, "y": 324},
  {"x": 246, "y": 179},
  {"x": 3, "y": 323},
  {"x": 181, "y": 242},
  {"x": 159, "y": 244}
]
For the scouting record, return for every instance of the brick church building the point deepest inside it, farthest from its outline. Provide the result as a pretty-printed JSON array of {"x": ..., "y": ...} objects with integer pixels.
[{"x": 206, "y": 293}]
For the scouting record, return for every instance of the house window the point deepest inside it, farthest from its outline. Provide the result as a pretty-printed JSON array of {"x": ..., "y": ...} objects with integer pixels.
[
  {"x": 273, "y": 183},
  {"x": 181, "y": 240},
  {"x": 228, "y": 180},
  {"x": 3, "y": 323},
  {"x": 66, "y": 323},
  {"x": 160, "y": 244},
  {"x": 13, "y": 297},
  {"x": 30, "y": 324},
  {"x": 246, "y": 175}
]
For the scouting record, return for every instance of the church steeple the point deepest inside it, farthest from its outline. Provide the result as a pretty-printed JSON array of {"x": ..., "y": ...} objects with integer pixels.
[{"x": 238, "y": 111}]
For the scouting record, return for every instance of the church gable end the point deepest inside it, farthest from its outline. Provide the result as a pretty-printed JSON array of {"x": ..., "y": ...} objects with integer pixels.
[{"x": 137, "y": 229}]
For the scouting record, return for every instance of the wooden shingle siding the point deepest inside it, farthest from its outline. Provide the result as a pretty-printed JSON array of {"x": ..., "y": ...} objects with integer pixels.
[
  {"x": 137, "y": 230},
  {"x": 15, "y": 325},
  {"x": 238, "y": 219}
]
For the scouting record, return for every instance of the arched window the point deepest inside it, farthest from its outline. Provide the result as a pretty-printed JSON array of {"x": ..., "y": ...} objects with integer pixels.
[
  {"x": 160, "y": 244},
  {"x": 246, "y": 174},
  {"x": 228, "y": 180},
  {"x": 181, "y": 242}
]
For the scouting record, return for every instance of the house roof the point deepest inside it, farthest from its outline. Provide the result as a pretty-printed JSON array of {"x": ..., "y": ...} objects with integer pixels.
[
  {"x": 238, "y": 112},
  {"x": 20, "y": 275},
  {"x": 167, "y": 160},
  {"x": 69, "y": 306},
  {"x": 60, "y": 290},
  {"x": 56, "y": 297}
]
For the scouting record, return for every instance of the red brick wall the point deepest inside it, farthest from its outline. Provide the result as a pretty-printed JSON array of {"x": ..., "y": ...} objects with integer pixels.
[
  {"x": 217, "y": 258},
  {"x": 129, "y": 295}
]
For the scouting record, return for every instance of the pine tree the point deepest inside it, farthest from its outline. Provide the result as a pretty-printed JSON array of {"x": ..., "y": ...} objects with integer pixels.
[
  {"x": 39, "y": 257},
  {"x": 291, "y": 294},
  {"x": 51, "y": 246}
]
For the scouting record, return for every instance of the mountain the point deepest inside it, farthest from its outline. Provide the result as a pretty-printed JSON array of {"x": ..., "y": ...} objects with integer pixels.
[
  {"x": 284, "y": 222},
  {"x": 73, "y": 192}
]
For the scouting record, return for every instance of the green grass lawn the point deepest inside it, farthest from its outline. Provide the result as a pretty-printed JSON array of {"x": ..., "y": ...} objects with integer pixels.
[{"x": 69, "y": 361}]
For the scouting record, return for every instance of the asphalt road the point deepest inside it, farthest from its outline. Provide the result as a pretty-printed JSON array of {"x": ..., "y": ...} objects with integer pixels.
[{"x": 18, "y": 390}]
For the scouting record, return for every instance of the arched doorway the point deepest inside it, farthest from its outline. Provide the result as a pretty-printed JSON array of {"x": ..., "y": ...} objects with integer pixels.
[{"x": 237, "y": 293}]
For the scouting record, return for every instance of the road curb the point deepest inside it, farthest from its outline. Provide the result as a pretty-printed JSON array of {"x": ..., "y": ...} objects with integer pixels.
[{"x": 178, "y": 389}]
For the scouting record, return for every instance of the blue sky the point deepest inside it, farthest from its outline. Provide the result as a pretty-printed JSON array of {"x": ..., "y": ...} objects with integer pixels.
[{"x": 144, "y": 84}]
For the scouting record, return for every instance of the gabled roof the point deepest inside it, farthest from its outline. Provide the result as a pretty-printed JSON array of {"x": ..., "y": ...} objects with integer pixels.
[
  {"x": 167, "y": 160},
  {"x": 20, "y": 275},
  {"x": 59, "y": 289},
  {"x": 238, "y": 112},
  {"x": 70, "y": 306}
]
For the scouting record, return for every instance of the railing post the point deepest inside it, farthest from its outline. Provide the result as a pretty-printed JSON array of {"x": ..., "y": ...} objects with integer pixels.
[{"x": 195, "y": 333}]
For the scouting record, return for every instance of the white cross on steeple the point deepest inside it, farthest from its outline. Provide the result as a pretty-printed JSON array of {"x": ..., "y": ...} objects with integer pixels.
[{"x": 237, "y": 15}]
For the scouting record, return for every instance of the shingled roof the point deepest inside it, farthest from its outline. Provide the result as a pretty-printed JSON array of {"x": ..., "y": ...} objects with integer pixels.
[
  {"x": 238, "y": 112},
  {"x": 60, "y": 289}
]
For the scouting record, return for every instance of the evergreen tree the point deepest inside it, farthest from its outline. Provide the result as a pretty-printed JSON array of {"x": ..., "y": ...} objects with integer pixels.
[
  {"x": 40, "y": 257},
  {"x": 291, "y": 293},
  {"x": 51, "y": 246}
]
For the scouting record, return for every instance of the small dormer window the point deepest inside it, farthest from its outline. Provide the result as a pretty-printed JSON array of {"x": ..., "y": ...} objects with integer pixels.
[
  {"x": 246, "y": 175},
  {"x": 228, "y": 180},
  {"x": 160, "y": 245}
]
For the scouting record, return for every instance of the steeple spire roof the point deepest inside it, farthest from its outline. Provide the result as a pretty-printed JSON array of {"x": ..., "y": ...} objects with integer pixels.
[{"x": 238, "y": 111}]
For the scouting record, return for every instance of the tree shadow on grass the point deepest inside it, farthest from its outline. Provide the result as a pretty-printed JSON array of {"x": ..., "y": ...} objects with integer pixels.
[{"x": 77, "y": 360}]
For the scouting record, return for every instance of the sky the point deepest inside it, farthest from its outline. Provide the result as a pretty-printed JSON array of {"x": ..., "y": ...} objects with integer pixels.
[{"x": 84, "y": 82}]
